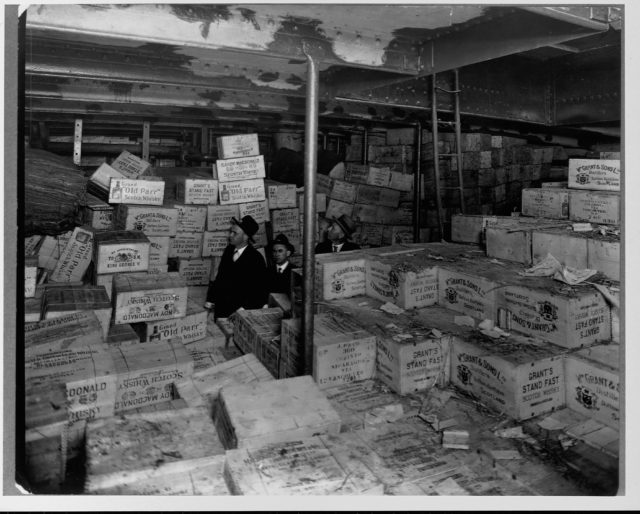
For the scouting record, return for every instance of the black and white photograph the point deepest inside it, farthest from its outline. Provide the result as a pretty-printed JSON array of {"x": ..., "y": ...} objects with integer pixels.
[{"x": 177, "y": 179}]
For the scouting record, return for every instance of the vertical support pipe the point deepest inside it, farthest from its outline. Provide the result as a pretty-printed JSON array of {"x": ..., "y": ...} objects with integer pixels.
[
  {"x": 310, "y": 153},
  {"x": 365, "y": 146},
  {"x": 417, "y": 183},
  {"x": 77, "y": 142},
  {"x": 146, "y": 136},
  {"x": 204, "y": 143},
  {"x": 436, "y": 154},
  {"x": 324, "y": 141},
  {"x": 456, "y": 110}
]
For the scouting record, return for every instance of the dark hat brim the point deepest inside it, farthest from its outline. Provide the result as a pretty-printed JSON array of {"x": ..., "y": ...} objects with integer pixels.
[
  {"x": 344, "y": 227},
  {"x": 239, "y": 223}
]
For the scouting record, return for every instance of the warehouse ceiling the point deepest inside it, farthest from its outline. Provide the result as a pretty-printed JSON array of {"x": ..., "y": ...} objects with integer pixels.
[{"x": 231, "y": 67}]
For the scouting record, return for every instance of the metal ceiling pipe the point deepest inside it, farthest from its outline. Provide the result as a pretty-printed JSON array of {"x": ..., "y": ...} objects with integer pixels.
[
  {"x": 310, "y": 157},
  {"x": 417, "y": 179}
]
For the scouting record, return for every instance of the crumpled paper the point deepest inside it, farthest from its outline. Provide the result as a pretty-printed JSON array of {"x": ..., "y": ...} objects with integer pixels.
[
  {"x": 391, "y": 308},
  {"x": 551, "y": 267}
]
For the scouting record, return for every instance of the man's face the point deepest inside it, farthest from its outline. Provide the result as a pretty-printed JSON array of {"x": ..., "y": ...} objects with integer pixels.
[
  {"x": 237, "y": 237},
  {"x": 280, "y": 254},
  {"x": 335, "y": 233}
]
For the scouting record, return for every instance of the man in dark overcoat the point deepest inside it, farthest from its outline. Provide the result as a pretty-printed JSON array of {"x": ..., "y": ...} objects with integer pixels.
[
  {"x": 338, "y": 235},
  {"x": 242, "y": 274},
  {"x": 279, "y": 271}
]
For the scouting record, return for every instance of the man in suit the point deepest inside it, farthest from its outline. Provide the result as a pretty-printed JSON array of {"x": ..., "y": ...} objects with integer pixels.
[
  {"x": 242, "y": 274},
  {"x": 279, "y": 272},
  {"x": 340, "y": 230}
]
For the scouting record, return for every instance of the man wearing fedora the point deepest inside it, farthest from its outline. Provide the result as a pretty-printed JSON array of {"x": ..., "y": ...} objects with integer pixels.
[
  {"x": 340, "y": 230},
  {"x": 279, "y": 272},
  {"x": 242, "y": 274}
]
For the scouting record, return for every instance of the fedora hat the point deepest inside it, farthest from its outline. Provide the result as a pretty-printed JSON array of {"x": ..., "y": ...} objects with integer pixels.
[
  {"x": 281, "y": 239},
  {"x": 346, "y": 224},
  {"x": 248, "y": 225}
]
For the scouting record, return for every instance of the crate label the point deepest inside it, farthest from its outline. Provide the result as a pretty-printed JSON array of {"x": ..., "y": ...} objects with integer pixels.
[
  {"x": 345, "y": 362},
  {"x": 594, "y": 207},
  {"x": 103, "y": 175},
  {"x": 187, "y": 245},
  {"x": 259, "y": 211},
  {"x": 407, "y": 289},
  {"x": 149, "y": 192},
  {"x": 242, "y": 191},
  {"x": 467, "y": 294},
  {"x": 219, "y": 217},
  {"x": 238, "y": 145},
  {"x": 75, "y": 258},
  {"x": 285, "y": 219},
  {"x": 546, "y": 203},
  {"x": 158, "y": 250},
  {"x": 243, "y": 168},
  {"x": 336, "y": 208},
  {"x": 600, "y": 174},
  {"x": 282, "y": 196},
  {"x": 138, "y": 306},
  {"x": 159, "y": 221},
  {"x": 341, "y": 279},
  {"x": 191, "y": 218},
  {"x": 131, "y": 166},
  {"x": 195, "y": 272},
  {"x": 214, "y": 244},
  {"x": 113, "y": 258},
  {"x": 192, "y": 327},
  {"x": 343, "y": 191},
  {"x": 198, "y": 191}
]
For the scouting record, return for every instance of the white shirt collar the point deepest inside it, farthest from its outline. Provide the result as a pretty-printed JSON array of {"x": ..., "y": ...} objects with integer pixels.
[
  {"x": 338, "y": 245},
  {"x": 282, "y": 267},
  {"x": 238, "y": 251}
]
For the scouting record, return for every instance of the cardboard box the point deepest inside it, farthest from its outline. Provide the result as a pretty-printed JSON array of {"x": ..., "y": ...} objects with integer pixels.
[
  {"x": 570, "y": 248},
  {"x": 151, "y": 220},
  {"x": 546, "y": 203},
  {"x": 259, "y": 211},
  {"x": 214, "y": 243},
  {"x": 239, "y": 145},
  {"x": 340, "y": 275},
  {"x": 192, "y": 327},
  {"x": 285, "y": 219},
  {"x": 514, "y": 377},
  {"x": 197, "y": 190},
  {"x": 219, "y": 217},
  {"x": 242, "y": 168},
  {"x": 254, "y": 415},
  {"x": 595, "y": 207},
  {"x": 570, "y": 317},
  {"x": 143, "y": 297},
  {"x": 242, "y": 191},
  {"x": 30, "y": 276},
  {"x": 186, "y": 245},
  {"x": 158, "y": 250},
  {"x": 147, "y": 372},
  {"x": 75, "y": 258},
  {"x": 377, "y": 196},
  {"x": 408, "y": 280},
  {"x": 120, "y": 251},
  {"x": 195, "y": 272},
  {"x": 280, "y": 195},
  {"x": 191, "y": 218},
  {"x": 97, "y": 214},
  {"x": 593, "y": 383},
  {"x": 603, "y": 254},
  {"x": 131, "y": 166},
  {"x": 144, "y": 192},
  {"x": 595, "y": 174}
]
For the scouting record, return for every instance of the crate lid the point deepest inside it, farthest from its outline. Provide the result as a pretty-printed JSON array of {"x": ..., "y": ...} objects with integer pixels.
[{"x": 120, "y": 237}]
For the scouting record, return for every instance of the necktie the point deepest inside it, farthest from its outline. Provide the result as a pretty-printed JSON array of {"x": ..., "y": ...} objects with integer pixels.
[
  {"x": 236, "y": 254},
  {"x": 336, "y": 248},
  {"x": 280, "y": 270}
]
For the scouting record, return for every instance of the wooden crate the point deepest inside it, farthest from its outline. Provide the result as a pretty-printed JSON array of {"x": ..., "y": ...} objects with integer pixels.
[
  {"x": 307, "y": 466},
  {"x": 593, "y": 383},
  {"x": 512, "y": 376},
  {"x": 151, "y": 220},
  {"x": 570, "y": 248},
  {"x": 343, "y": 191},
  {"x": 401, "y": 181},
  {"x": 195, "y": 272},
  {"x": 61, "y": 301},
  {"x": 242, "y": 191},
  {"x": 66, "y": 330},
  {"x": 595, "y": 174},
  {"x": 240, "y": 168},
  {"x": 191, "y": 327},
  {"x": 149, "y": 191},
  {"x": 203, "y": 387},
  {"x": 101, "y": 179},
  {"x": 510, "y": 246},
  {"x": 214, "y": 243},
  {"x": 219, "y": 216},
  {"x": 186, "y": 245},
  {"x": 147, "y": 372},
  {"x": 259, "y": 211},
  {"x": 97, "y": 214},
  {"x": 209, "y": 351},
  {"x": 131, "y": 166},
  {"x": 256, "y": 327},
  {"x": 281, "y": 195},
  {"x": 144, "y": 297},
  {"x": 340, "y": 275},
  {"x": 238, "y": 145},
  {"x": 469, "y": 228},
  {"x": 121, "y": 335},
  {"x": 595, "y": 207},
  {"x": 158, "y": 251},
  {"x": 603, "y": 254},
  {"x": 407, "y": 278},
  {"x": 467, "y": 293},
  {"x": 254, "y": 415},
  {"x": 191, "y": 218},
  {"x": 336, "y": 208},
  {"x": 196, "y": 190},
  {"x": 545, "y": 202},
  {"x": 371, "y": 175},
  {"x": 567, "y": 316},
  {"x": 377, "y": 196},
  {"x": 75, "y": 258},
  {"x": 132, "y": 447},
  {"x": 120, "y": 251},
  {"x": 285, "y": 219}
]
